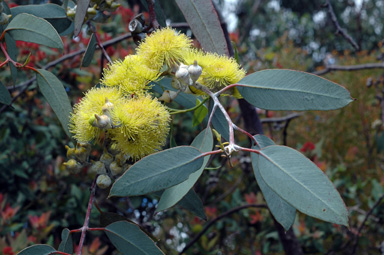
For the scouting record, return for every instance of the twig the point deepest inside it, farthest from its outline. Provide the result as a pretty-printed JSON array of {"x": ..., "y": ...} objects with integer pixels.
[
  {"x": 363, "y": 223},
  {"x": 87, "y": 216},
  {"x": 209, "y": 224},
  {"x": 349, "y": 68},
  {"x": 340, "y": 30},
  {"x": 281, "y": 119},
  {"x": 152, "y": 14}
]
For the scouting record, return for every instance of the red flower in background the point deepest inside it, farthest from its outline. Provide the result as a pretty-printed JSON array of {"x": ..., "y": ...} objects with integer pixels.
[
  {"x": 8, "y": 251},
  {"x": 308, "y": 146}
]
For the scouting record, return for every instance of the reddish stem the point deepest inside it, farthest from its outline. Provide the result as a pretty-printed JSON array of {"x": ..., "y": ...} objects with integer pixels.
[
  {"x": 58, "y": 252},
  {"x": 100, "y": 44},
  {"x": 152, "y": 14},
  {"x": 86, "y": 221},
  {"x": 245, "y": 132}
]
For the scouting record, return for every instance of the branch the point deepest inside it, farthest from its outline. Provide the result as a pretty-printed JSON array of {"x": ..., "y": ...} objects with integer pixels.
[
  {"x": 209, "y": 224},
  {"x": 363, "y": 223},
  {"x": 340, "y": 30},
  {"x": 88, "y": 215},
  {"x": 349, "y": 68}
]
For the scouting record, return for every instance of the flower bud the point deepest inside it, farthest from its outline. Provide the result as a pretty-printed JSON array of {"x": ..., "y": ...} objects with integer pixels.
[
  {"x": 81, "y": 154},
  {"x": 115, "y": 168},
  {"x": 195, "y": 71},
  {"x": 70, "y": 152},
  {"x": 175, "y": 84},
  {"x": 4, "y": 18},
  {"x": 121, "y": 158},
  {"x": 168, "y": 96},
  {"x": 97, "y": 167},
  {"x": 107, "y": 108},
  {"x": 106, "y": 158},
  {"x": 101, "y": 121},
  {"x": 103, "y": 181},
  {"x": 72, "y": 166},
  {"x": 182, "y": 74}
]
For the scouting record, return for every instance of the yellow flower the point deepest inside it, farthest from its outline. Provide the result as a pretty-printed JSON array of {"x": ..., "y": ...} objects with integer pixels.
[
  {"x": 164, "y": 46},
  {"x": 143, "y": 125},
  {"x": 131, "y": 75},
  {"x": 91, "y": 104},
  {"x": 218, "y": 71}
]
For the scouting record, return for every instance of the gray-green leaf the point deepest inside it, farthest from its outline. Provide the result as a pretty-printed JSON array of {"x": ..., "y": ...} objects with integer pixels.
[
  {"x": 171, "y": 196},
  {"x": 53, "y": 90},
  {"x": 29, "y": 28},
  {"x": 129, "y": 239},
  {"x": 301, "y": 183},
  {"x": 5, "y": 97},
  {"x": 205, "y": 24},
  {"x": 158, "y": 171},
  {"x": 279, "y": 89},
  {"x": 66, "y": 244},
  {"x": 283, "y": 212},
  {"x": 88, "y": 55},
  {"x": 37, "y": 249}
]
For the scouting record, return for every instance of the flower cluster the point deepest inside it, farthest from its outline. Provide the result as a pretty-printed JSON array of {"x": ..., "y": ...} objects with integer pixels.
[{"x": 122, "y": 112}]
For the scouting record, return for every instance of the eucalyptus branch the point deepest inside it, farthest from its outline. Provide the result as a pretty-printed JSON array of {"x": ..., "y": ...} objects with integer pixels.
[
  {"x": 87, "y": 217},
  {"x": 349, "y": 68},
  {"x": 340, "y": 30},
  {"x": 363, "y": 223},
  {"x": 99, "y": 42},
  {"x": 152, "y": 14},
  {"x": 210, "y": 223}
]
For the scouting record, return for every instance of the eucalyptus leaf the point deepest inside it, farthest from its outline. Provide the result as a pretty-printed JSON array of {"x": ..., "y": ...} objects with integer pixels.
[
  {"x": 66, "y": 244},
  {"x": 301, "y": 183},
  {"x": 53, "y": 13},
  {"x": 12, "y": 52},
  {"x": 5, "y": 97},
  {"x": 53, "y": 90},
  {"x": 160, "y": 16},
  {"x": 37, "y": 249},
  {"x": 283, "y": 212},
  {"x": 199, "y": 114},
  {"x": 88, "y": 55},
  {"x": 171, "y": 196},
  {"x": 158, "y": 171},
  {"x": 193, "y": 203},
  {"x": 29, "y": 28},
  {"x": 280, "y": 89},
  {"x": 81, "y": 12},
  {"x": 205, "y": 24},
  {"x": 129, "y": 239}
]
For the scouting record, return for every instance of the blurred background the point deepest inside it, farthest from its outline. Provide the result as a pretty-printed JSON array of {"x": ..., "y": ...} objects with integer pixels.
[{"x": 38, "y": 197}]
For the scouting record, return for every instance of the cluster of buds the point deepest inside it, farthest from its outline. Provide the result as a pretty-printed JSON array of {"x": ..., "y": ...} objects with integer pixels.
[
  {"x": 95, "y": 10},
  {"x": 185, "y": 76},
  {"x": 77, "y": 157},
  {"x": 108, "y": 167},
  {"x": 111, "y": 163}
]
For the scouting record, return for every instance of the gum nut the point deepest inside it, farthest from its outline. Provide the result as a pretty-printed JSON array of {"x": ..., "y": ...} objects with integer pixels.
[
  {"x": 70, "y": 152},
  {"x": 73, "y": 166},
  {"x": 97, "y": 167},
  {"x": 115, "y": 168},
  {"x": 106, "y": 158},
  {"x": 103, "y": 121},
  {"x": 181, "y": 73},
  {"x": 81, "y": 154},
  {"x": 195, "y": 71},
  {"x": 103, "y": 181}
]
